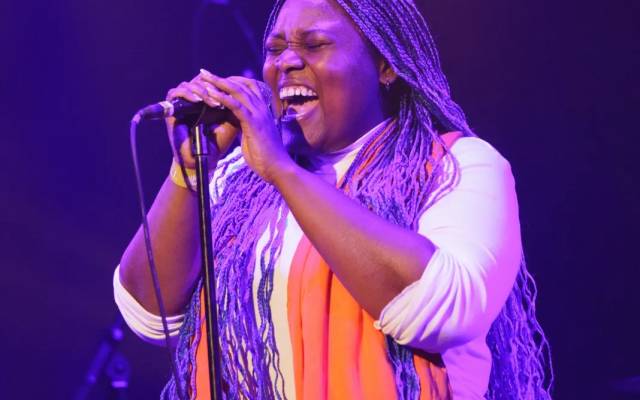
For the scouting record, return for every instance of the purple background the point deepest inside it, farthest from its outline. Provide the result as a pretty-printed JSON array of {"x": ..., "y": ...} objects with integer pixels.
[{"x": 552, "y": 85}]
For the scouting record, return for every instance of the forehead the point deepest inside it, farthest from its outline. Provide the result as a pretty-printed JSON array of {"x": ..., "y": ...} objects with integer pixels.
[{"x": 299, "y": 16}]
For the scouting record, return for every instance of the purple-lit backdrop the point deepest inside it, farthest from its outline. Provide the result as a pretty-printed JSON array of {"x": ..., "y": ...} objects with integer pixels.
[{"x": 553, "y": 86}]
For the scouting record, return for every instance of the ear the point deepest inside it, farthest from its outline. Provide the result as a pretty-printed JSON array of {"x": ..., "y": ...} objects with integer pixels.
[{"x": 386, "y": 74}]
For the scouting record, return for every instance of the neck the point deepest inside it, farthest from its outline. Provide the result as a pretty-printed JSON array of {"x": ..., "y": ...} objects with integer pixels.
[{"x": 371, "y": 117}]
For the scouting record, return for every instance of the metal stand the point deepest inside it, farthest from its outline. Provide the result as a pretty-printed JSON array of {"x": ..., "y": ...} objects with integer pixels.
[
  {"x": 201, "y": 152},
  {"x": 108, "y": 359},
  {"x": 118, "y": 371}
]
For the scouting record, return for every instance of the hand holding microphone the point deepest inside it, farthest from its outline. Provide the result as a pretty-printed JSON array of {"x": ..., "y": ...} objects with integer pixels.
[
  {"x": 185, "y": 101},
  {"x": 251, "y": 102},
  {"x": 235, "y": 104}
]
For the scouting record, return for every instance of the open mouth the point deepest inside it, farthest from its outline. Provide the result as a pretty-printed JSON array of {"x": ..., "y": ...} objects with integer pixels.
[{"x": 297, "y": 101}]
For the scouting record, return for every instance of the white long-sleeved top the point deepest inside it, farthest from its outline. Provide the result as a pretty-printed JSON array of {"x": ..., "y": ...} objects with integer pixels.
[{"x": 475, "y": 227}]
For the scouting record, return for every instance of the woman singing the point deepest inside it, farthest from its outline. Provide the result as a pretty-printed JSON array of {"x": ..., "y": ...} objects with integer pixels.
[{"x": 366, "y": 242}]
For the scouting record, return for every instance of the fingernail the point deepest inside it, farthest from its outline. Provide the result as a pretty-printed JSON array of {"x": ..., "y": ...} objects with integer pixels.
[
  {"x": 205, "y": 72},
  {"x": 198, "y": 98}
]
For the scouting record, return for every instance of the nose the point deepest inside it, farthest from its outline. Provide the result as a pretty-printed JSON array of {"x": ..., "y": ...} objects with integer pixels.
[{"x": 289, "y": 60}]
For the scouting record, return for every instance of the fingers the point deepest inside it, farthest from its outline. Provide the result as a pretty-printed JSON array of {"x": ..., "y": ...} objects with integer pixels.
[
  {"x": 251, "y": 84},
  {"x": 181, "y": 145},
  {"x": 201, "y": 90},
  {"x": 261, "y": 92},
  {"x": 194, "y": 91},
  {"x": 188, "y": 91},
  {"x": 238, "y": 92},
  {"x": 224, "y": 136}
]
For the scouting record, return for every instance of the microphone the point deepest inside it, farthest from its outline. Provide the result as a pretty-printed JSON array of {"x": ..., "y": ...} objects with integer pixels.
[
  {"x": 179, "y": 108},
  {"x": 188, "y": 112}
]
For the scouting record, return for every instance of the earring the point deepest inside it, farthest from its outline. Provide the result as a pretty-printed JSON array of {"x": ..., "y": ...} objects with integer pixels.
[{"x": 387, "y": 85}]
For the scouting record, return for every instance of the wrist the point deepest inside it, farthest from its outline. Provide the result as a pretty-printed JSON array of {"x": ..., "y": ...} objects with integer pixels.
[
  {"x": 185, "y": 177},
  {"x": 284, "y": 174}
]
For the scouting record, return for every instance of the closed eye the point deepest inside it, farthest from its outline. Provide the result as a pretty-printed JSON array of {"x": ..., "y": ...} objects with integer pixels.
[
  {"x": 275, "y": 50},
  {"x": 315, "y": 46}
]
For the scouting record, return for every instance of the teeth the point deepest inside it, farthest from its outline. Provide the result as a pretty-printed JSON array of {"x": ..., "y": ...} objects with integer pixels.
[{"x": 291, "y": 91}]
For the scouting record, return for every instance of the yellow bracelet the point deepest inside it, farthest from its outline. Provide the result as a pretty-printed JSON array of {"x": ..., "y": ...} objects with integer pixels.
[{"x": 175, "y": 173}]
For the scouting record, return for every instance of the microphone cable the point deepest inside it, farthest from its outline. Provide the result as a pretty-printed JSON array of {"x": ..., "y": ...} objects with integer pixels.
[{"x": 152, "y": 265}]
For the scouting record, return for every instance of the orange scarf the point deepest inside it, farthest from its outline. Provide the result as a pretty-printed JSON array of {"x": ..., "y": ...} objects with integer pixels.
[{"x": 338, "y": 354}]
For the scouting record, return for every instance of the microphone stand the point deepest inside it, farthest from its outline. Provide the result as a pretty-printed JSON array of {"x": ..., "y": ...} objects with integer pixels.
[
  {"x": 201, "y": 152},
  {"x": 110, "y": 361}
]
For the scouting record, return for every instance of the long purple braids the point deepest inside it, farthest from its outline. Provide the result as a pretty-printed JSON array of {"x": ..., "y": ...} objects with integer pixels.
[{"x": 252, "y": 207}]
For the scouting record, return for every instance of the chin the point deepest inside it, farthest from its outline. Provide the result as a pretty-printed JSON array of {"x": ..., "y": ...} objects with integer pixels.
[{"x": 296, "y": 142}]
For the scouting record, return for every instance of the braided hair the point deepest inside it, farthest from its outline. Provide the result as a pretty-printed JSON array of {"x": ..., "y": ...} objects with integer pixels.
[{"x": 395, "y": 185}]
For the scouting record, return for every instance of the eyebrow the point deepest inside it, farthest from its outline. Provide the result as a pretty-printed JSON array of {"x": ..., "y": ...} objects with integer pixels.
[{"x": 304, "y": 33}]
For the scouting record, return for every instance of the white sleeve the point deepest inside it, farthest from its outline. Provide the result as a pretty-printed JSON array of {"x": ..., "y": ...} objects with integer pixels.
[
  {"x": 146, "y": 325},
  {"x": 476, "y": 231}
]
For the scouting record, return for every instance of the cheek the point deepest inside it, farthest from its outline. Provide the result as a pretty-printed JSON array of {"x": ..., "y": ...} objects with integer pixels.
[
  {"x": 334, "y": 78},
  {"x": 270, "y": 77},
  {"x": 268, "y": 70},
  {"x": 348, "y": 84},
  {"x": 351, "y": 71}
]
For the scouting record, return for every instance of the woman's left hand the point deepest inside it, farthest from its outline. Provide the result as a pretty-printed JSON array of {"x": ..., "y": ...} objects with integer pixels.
[{"x": 261, "y": 141}]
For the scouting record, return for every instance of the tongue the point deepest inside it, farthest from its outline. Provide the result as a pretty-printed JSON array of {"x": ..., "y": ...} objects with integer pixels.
[{"x": 300, "y": 108}]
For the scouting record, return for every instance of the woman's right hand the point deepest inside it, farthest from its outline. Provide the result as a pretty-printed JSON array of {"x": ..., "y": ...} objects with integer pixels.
[{"x": 223, "y": 134}]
